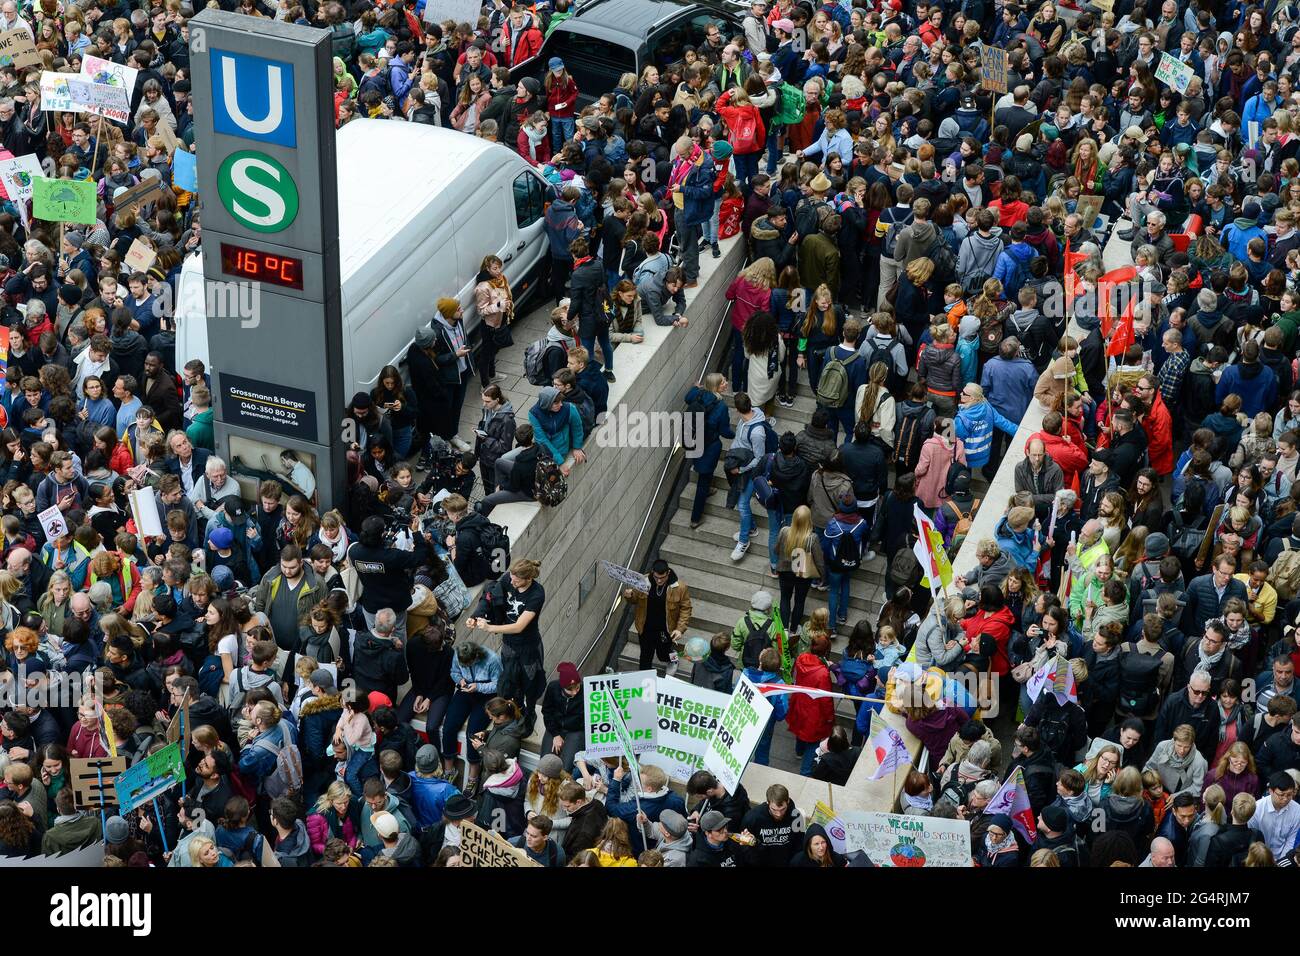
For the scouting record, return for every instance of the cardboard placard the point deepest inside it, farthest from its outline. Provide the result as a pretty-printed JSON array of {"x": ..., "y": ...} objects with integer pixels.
[
  {"x": 480, "y": 847},
  {"x": 907, "y": 841},
  {"x": 147, "y": 190},
  {"x": 634, "y": 695},
  {"x": 64, "y": 200},
  {"x": 626, "y": 576},
  {"x": 89, "y": 791},
  {"x": 461, "y": 11},
  {"x": 180, "y": 719},
  {"x": 53, "y": 523},
  {"x": 993, "y": 69},
  {"x": 108, "y": 73},
  {"x": 153, "y": 775},
  {"x": 17, "y": 48},
  {"x": 1174, "y": 73},
  {"x": 1088, "y": 207},
  {"x": 139, "y": 257},
  {"x": 737, "y": 735},
  {"x": 144, "y": 508}
]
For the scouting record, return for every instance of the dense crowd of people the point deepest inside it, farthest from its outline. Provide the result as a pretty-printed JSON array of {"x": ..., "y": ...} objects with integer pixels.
[{"x": 924, "y": 257}]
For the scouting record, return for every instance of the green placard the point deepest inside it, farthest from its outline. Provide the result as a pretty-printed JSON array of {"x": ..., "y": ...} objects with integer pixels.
[{"x": 63, "y": 200}]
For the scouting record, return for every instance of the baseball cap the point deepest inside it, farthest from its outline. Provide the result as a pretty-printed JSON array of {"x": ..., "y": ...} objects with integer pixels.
[{"x": 385, "y": 824}]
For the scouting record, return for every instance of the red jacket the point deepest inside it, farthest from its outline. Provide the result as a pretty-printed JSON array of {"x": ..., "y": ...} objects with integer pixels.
[
  {"x": 566, "y": 93},
  {"x": 33, "y": 332},
  {"x": 1072, "y": 458},
  {"x": 86, "y": 743},
  {"x": 811, "y": 719},
  {"x": 543, "y": 148},
  {"x": 998, "y": 626},
  {"x": 733, "y": 116},
  {"x": 529, "y": 44},
  {"x": 1159, "y": 426},
  {"x": 121, "y": 462}
]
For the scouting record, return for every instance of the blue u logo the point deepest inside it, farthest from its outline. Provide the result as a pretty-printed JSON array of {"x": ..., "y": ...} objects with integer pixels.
[{"x": 252, "y": 98}]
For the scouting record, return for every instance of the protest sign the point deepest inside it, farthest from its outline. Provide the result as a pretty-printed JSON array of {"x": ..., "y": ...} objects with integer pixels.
[
  {"x": 907, "y": 840},
  {"x": 480, "y": 847},
  {"x": 64, "y": 200},
  {"x": 742, "y": 724},
  {"x": 151, "y": 776},
  {"x": 139, "y": 257},
  {"x": 185, "y": 170},
  {"x": 144, "y": 509},
  {"x": 99, "y": 99},
  {"x": 55, "y": 97},
  {"x": 53, "y": 523},
  {"x": 18, "y": 49},
  {"x": 634, "y": 694},
  {"x": 16, "y": 175},
  {"x": 1088, "y": 208},
  {"x": 461, "y": 11},
  {"x": 148, "y": 189},
  {"x": 688, "y": 717},
  {"x": 179, "y": 725},
  {"x": 993, "y": 69},
  {"x": 626, "y": 576},
  {"x": 1173, "y": 72},
  {"x": 92, "y": 780},
  {"x": 108, "y": 73}
]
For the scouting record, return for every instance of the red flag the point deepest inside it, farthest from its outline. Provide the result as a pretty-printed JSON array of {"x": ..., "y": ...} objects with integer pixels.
[{"x": 1122, "y": 337}]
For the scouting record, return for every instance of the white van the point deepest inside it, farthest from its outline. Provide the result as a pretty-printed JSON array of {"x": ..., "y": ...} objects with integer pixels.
[{"x": 419, "y": 208}]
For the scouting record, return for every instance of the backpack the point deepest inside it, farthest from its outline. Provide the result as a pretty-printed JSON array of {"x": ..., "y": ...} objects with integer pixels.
[
  {"x": 494, "y": 540},
  {"x": 1054, "y": 732},
  {"x": 757, "y": 640},
  {"x": 1285, "y": 573},
  {"x": 535, "y": 361},
  {"x": 941, "y": 255},
  {"x": 905, "y": 570},
  {"x": 744, "y": 135},
  {"x": 955, "y": 470},
  {"x": 891, "y": 236},
  {"x": 894, "y": 382},
  {"x": 844, "y": 545},
  {"x": 244, "y": 853},
  {"x": 209, "y": 675},
  {"x": 790, "y": 105},
  {"x": 585, "y": 208},
  {"x": 286, "y": 779},
  {"x": 911, "y": 437},
  {"x": 550, "y": 485},
  {"x": 964, "y": 521},
  {"x": 771, "y": 441},
  {"x": 833, "y": 387},
  {"x": 698, "y": 406},
  {"x": 991, "y": 334},
  {"x": 236, "y": 691},
  {"x": 615, "y": 150},
  {"x": 380, "y": 81},
  {"x": 1138, "y": 675}
]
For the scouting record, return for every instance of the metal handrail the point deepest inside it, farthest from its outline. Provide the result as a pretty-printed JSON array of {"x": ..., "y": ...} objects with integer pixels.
[{"x": 709, "y": 359}]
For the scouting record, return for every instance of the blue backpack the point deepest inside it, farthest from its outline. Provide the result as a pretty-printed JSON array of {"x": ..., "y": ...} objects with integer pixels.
[
  {"x": 585, "y": 208},
  {"x": 210, "y": 675}
]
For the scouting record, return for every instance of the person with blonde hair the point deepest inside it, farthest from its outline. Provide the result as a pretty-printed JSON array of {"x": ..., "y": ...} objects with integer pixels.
[{"x": 1179, "y": 764}]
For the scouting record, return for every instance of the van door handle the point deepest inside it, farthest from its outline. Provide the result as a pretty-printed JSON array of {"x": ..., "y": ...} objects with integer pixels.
[
  {"x": 508, "y": 258},
  {"x": 520, "y": 246}
]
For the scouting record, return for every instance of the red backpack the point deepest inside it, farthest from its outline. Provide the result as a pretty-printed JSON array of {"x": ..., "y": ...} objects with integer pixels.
[{"x": 745, "y": 135}]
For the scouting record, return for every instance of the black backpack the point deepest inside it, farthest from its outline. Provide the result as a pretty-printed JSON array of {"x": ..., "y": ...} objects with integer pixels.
[
  {"x": 1054, "y": 732},
  {"x": 846, "y": 547},
  {"x": 493, "y": 550},
  {"x": 1138, "y": 676},
  {"x": 757, "y": 640},
  {"x": 914, "y": 426},
  {"x": 955, "y": 470},
  {"x": 876, "y": 353},
  {"x": 945, "y": 266}
]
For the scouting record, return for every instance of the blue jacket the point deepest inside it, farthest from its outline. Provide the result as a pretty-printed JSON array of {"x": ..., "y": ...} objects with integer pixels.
[
  {"x": 1009, "y": 269},
  {"x": 562, "y": 227},
  {"x": 974, "y": 426},
  {"x": 485, "y": 672},
  {"x": 399, "y": 78},
  {"x": 429, "y": 796},
  {"x": 1009, "y": 385},
  {"x": 621, "y": 804},
  {"x": 1255, "y": 383},
  {"x": 1237, "y": 234},
  {"x": 258, "y": 763},
  {"x": 563, "y": 441},
  {"x": 697, "y": 189},
  {"x": 718, "y": 421},
  {"x": 1020, "y": 547},
  {"x": 1257, "y": 110},
  {"x": 1173, "y": 133}
]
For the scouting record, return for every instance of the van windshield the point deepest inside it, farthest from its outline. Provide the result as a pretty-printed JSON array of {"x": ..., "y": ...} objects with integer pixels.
[{"x": 595, "y": 65}]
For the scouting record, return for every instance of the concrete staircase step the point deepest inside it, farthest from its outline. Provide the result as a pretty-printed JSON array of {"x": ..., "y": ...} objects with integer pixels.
[{"x": 694, "y": 547}]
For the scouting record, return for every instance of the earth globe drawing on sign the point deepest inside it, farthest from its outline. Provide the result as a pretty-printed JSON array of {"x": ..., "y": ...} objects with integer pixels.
[
  {"x": 23, "y": 179},
  {"x": 107, "y": 78},
  {"x": 64, "y": 194}
]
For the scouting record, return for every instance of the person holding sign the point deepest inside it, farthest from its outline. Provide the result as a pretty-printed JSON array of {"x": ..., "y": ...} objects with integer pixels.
[{"x": 662, "y": 616}]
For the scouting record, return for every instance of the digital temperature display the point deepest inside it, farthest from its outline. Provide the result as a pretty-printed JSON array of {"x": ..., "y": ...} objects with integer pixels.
[{"x": 261, "y": 266}]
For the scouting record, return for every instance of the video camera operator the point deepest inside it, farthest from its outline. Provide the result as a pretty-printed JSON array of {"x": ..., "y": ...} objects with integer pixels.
[{"x": 384, "y": 569}]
